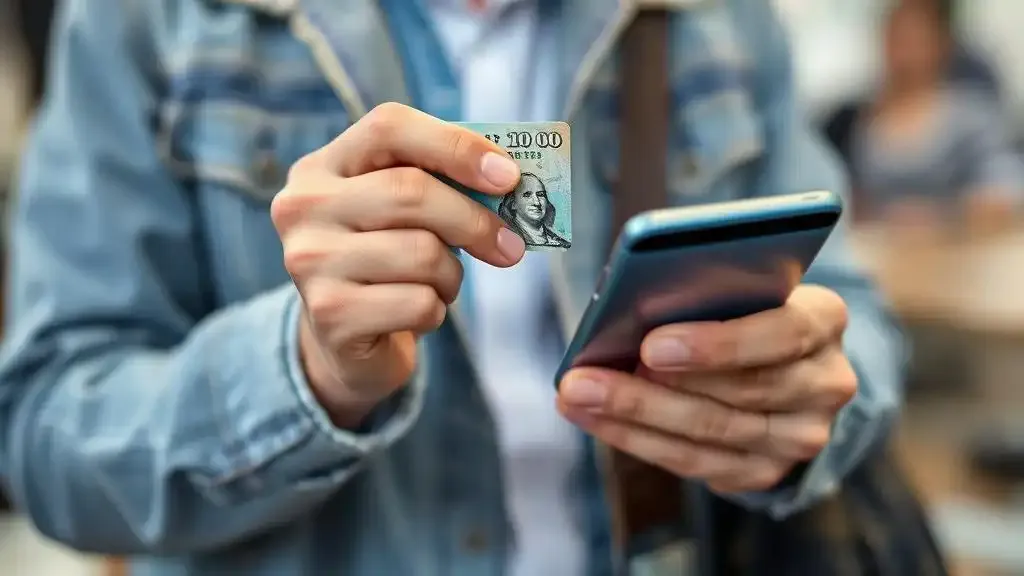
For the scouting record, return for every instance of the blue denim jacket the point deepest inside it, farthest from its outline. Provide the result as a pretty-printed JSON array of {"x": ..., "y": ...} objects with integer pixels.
[{"x": 151, "y": 403}]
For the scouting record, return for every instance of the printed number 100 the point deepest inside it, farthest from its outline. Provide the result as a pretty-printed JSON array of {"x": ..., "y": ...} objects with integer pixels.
[{"x": 540, "y": 139}]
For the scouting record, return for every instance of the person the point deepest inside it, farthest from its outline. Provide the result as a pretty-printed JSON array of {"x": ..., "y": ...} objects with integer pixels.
[
  {"x": 528, "y": 212},
  {"x": 929, "y": 151},
  {"x": 238, "y": 340},
  {"x": 967, "y": 69}
]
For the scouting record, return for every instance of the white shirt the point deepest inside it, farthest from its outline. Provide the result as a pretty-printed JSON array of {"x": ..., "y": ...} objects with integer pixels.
[{"x": 492, "y": 51}]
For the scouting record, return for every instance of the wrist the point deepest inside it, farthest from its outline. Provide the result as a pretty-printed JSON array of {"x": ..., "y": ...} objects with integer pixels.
[{"x": 347, "y": 409}]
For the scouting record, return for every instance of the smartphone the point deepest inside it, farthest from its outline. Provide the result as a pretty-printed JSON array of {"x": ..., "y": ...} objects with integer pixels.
[{"x": 712, "y": 262}]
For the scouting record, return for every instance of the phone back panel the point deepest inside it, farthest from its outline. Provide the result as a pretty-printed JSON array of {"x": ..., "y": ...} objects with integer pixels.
[{"x": 708, "y": 282}]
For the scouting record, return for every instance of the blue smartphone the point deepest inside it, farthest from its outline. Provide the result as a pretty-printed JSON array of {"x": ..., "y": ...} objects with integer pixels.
[{"x": 713, "y": 262}]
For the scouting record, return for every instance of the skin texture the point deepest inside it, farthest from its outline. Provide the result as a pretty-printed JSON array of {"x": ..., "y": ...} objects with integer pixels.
[
  {"x": 366, "y": 232},
  {"x": 737, "y": 404}
]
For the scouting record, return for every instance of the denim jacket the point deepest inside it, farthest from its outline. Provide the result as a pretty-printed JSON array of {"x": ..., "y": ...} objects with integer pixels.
[{"x": 151, "y": 401}]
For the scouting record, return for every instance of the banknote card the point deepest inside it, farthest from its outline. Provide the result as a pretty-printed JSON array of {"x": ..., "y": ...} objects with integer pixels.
[{"x": 540, "y": 208}]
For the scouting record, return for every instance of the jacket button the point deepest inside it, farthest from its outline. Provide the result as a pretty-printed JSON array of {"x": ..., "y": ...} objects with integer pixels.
[
  {"x": 475, "y": 541},
  {"x": 691, "y": 168},
  {"x": 267, "y": 171}
]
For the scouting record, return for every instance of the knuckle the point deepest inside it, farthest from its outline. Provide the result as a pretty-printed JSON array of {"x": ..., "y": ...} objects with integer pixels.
[
  {"x": 803, "y": 339},
  {"x": 459, "y": 274},
  {"x": 836, "y": 308},
  {"x": 715, "y": 425},
  {"x": 301, "y": 167},
  {"x": 845, "y": 384},
  {"x": 721, "y": 486},
  {"x": 716, "y": 345},
  {"x": 617, "y": 435},
  {"x": 288, "y": 207},
  {"x": 765, "y": 477},
  {"x": 325, "y": 305},
  {"x": 299, "y": 196},
  {"x": 685, "y": 462},
  {"x": 842, "y": 314},
  {"x": 299, "y": 260},
  {"x": 426, "y": 251},
  {"x": 284, "y": 210},
  {"x": 408, "y": 188},
  {"x": 457, "y": 143},
  {"x": 382, "y": 121},
  {"x": 755, "y": 388},
  {"x": 391, "y": 110},
  {"x": 423, "y": 307},
  {"x": 624, "y": 402},
  {"x": 814, "y": 440},
  {"x": 479, "y": 228}
]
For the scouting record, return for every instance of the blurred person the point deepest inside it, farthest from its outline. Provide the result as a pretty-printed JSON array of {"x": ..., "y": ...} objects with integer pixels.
[
  {"x": 928, "y": 153},
  {"x": 972, "y": 69},
  {"x": 234, "y": 344}
]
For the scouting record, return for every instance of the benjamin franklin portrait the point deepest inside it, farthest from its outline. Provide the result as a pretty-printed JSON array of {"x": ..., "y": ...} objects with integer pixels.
[{"x": 528, "y": 212}]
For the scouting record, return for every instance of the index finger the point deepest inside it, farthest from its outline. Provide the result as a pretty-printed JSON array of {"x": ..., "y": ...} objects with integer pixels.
[
  {"x": 811, "y": 318},
  {"x": 394, "y": 135}
]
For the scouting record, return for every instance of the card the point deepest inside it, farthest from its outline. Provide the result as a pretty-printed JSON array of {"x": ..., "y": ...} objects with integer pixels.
[{"x": 540, "y": 208}]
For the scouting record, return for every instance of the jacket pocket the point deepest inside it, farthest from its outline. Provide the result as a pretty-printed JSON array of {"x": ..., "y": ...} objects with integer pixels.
[
  {"x": 711, "y": 138},
  {"x": 236, "y": 148},
  {"x": 716, "y": 125},
  {"x": 235, "y": 159}
]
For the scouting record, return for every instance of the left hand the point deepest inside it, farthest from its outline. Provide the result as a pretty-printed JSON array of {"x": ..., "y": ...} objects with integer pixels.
[{"x": 736, "y": 404}]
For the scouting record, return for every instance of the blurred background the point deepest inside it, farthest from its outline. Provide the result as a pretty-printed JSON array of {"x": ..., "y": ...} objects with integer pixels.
[{"x": 924, "y": 103}]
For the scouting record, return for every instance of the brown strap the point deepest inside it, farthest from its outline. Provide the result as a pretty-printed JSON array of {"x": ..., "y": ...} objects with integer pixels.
[
  {"x": 644, "y": 499},
  {"x": 645, "y": 104}
]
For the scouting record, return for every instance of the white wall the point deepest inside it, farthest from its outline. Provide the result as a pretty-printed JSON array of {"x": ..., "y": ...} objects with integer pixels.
[
  {"x": 837, "y": 45},
  {"x": 995, "y": 26}
]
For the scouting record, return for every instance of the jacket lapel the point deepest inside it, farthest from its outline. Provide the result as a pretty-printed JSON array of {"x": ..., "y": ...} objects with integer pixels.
[{"x": 351, "y": 42}]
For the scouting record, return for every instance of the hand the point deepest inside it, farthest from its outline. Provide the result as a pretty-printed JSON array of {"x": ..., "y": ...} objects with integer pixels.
[
  {"x": 736, "y": 404},
  {"x": 366, "y": 234}
]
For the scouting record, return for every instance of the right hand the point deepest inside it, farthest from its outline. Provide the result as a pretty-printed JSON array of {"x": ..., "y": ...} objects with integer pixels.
[{"x": 366, "y": 234}]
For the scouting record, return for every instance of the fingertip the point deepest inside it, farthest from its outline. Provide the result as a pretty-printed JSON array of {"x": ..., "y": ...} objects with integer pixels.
[
  {"x": 499, "y": 170},
  {"x": 588, "y": 373},
  {"x": 511, "y": 246},
  {"x": 561, "y": 406},
  {"x": 666, "y": 350}
]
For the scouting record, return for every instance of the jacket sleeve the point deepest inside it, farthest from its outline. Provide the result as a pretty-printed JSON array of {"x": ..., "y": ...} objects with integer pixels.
[
  {"x": 133, "y": 418},
  {"x": 796, "y": 160}
]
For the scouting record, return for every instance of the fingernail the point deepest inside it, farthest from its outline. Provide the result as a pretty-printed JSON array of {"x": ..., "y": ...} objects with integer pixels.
[
  {"x": 584, "y": 392},
  {"x": 499, "y": 170},
  {"x": 581, "y": 418},
  {"x": 667, "y": 352},
  {"x": 510, "y": 244}
]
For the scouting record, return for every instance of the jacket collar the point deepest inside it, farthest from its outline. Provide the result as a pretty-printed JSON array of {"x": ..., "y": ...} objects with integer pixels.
[
  {"x": 284, "y": 7},
  {"x": 351, "y": 40}
]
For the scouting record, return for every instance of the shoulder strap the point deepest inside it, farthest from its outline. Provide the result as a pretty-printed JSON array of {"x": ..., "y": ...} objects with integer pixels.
[
  {"x": 643, "y": 128},
  {"x": 648, "y": 505}
]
